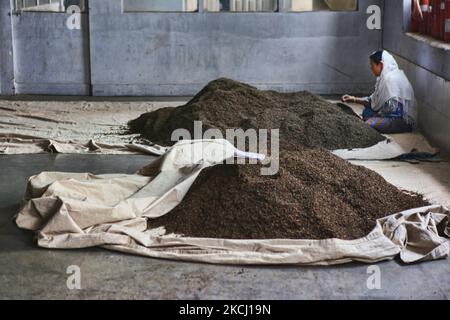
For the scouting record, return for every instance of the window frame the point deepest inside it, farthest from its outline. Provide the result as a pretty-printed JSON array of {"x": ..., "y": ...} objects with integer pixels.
[
  {"x": 279, "y": 4},
  {"x": 199, "y": 7},
  {"x": 19, "y": 9},
  {"x": 288, "y": 10}
]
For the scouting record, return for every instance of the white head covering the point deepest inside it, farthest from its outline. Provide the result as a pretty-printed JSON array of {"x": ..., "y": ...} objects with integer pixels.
[{"x": 393, "y": 83}]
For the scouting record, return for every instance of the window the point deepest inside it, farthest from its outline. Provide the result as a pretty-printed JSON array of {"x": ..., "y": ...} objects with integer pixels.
[
  {"x": 238, "y": 5},
  {"x": 47, "y": 5},
  {"x": 160, "y": 5},
  {"x": 318, "y": 5},
  {"x": 241, "y": 5}
]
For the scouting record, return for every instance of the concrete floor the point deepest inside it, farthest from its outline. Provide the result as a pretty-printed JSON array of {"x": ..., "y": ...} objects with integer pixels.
[{"x": 29, "y": 272}]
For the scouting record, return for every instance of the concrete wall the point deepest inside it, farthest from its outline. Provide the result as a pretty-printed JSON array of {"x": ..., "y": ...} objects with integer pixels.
[
  {"x": 49, "y": 58},
  {"x": 178, "y": 53},
  {"x": 428, "y": 70},
  {"x": 433, "y": 97},
  {"x": 6, "y": 51}
]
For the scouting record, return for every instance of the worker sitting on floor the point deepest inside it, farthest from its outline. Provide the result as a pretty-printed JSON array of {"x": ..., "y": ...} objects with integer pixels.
[{"x": 391, "y": 108}]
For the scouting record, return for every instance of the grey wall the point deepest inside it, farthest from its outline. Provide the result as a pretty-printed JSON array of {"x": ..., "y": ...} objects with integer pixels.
[
  {"x": 433, "y": 97},
  {"x": 178, "y": 53},
  {"x": 6, "y": 51},
  {"x": 49, "y": 58},
  {"x": 428, "y": 70}
]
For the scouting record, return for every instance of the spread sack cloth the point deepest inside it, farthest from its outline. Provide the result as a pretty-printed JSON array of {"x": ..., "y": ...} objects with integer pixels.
[
  {"x": 393, "y": 147},
  {"x": 22, "y": 144},
  {"x": 79, "y": 210}
]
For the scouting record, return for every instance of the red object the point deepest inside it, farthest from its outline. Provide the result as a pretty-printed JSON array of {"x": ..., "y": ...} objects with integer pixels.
[
  {"x": 435, "y": 18},
  {"x": 423, "y": 28},
  {"x": 441, "y": 17},
  {"x": 415, "y": 18},
  {"x": 447, "y": 22}
]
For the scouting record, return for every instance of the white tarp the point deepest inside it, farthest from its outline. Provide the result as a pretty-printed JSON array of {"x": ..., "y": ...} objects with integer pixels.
[
  {"x": 34, "y": 126},
  {"x": 20, "y": 144},
  {"x": 395, "y": 146},
  {"x": 79, "y": 210}
]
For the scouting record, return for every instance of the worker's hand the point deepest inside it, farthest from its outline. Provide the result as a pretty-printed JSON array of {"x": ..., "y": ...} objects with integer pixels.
[{"x": 348, "y": 98}]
